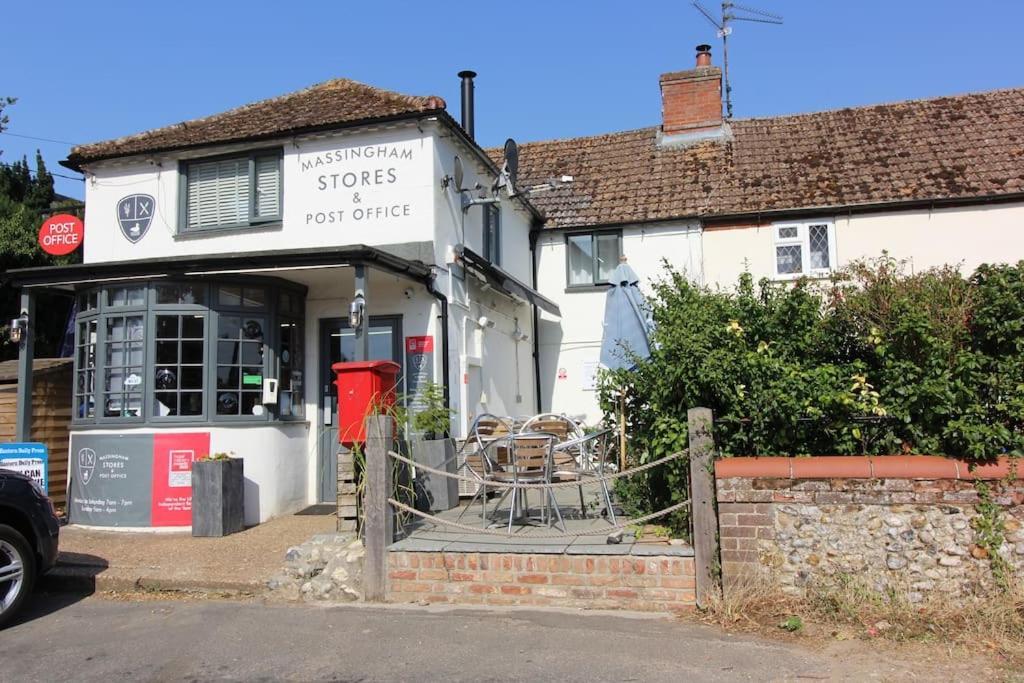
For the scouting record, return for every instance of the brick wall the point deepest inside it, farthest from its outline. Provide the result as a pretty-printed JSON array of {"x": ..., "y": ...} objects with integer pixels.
[
  {"x": 653, "y": 584},
  {"x": 903, "y": 522}
]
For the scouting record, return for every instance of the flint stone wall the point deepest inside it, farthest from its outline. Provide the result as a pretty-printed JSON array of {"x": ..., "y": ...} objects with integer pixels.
[{"x": 910, "y": 528}]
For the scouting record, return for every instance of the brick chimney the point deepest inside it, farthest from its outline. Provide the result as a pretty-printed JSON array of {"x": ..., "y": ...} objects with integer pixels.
[{"x": 691, "y": 101}]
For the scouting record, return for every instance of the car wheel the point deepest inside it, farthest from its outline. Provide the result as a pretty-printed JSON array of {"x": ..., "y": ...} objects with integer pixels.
[{"x": 17, "y": 572}]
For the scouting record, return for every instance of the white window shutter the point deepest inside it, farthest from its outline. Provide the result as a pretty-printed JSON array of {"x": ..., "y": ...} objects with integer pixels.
[{"x": 268, "y": 186}]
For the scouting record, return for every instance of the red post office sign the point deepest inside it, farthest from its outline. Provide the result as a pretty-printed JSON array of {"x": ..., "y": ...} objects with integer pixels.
[{"x": 61, "y": 234}]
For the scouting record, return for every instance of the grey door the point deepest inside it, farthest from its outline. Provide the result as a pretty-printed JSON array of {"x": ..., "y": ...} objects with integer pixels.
[{"x": 337, "y": 344}]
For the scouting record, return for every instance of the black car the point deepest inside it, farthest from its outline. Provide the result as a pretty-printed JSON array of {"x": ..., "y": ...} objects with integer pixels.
[{"x": 28, "y": 540}]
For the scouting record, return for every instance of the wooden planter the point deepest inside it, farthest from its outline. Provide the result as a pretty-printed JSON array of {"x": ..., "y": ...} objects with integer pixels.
[
  {"x": 217, "y": 497},
  {"x": 435, "y": 493}
]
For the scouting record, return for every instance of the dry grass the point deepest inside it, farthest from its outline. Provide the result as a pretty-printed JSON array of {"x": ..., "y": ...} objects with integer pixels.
[{"x": 847, "y": 607}]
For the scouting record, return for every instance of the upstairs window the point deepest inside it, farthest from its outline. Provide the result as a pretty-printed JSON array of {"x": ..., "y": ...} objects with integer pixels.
[
  {"x": 492, "y": 233},
  {"x": 231, "y": 192},
  {"x": 804, "y": 248},
  {"x": 592, "y": 258}
]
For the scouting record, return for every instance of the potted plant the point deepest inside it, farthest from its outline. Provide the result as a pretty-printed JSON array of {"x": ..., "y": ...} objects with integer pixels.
[
  {"x": 217, "y": 495},
  {"x": 430, "y": 445}
]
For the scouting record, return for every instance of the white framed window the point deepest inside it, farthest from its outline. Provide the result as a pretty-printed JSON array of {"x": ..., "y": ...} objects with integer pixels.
[{"x": 804, "y": 248}]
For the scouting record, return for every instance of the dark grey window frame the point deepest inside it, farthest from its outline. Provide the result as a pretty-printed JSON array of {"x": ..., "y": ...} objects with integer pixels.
[
  {"x": 106, "y": 312},
  {"x": 491, "y": 242},
  {"x": 253, "y": 222},
  {"x": 594, "y": 283},
  {"x": 211, "y": 312}
]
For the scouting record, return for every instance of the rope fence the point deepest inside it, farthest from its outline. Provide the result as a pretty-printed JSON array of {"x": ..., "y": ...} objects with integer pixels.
[
  {"x": 603, "y": 531},
  {"x": 495, "y": 484}
]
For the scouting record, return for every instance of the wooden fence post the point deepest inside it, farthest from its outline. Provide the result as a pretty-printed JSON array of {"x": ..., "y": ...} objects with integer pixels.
[
  {"x": 377, "y": 524},
  {"x": 706, "y": 556}
]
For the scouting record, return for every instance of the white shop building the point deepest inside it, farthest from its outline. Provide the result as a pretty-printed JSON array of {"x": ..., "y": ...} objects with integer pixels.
[{"x": 227, "y": 251}]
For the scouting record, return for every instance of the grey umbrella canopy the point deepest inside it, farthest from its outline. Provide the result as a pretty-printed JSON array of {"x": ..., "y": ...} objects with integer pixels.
[{"x": 627, "y": 322}]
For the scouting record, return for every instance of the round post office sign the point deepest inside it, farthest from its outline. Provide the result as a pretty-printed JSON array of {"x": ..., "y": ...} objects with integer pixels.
[{"x": 61, "y": 234}]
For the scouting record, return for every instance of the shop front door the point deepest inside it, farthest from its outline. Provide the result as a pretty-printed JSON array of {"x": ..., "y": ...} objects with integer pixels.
[{"x": 337, "y": 344}]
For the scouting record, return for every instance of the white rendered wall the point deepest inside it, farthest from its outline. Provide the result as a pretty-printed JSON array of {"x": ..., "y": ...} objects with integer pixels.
[
  {"x": 573, "y": 343},
  {"x": 402, "y": 162},
  {"x": 964, "y": 236}
]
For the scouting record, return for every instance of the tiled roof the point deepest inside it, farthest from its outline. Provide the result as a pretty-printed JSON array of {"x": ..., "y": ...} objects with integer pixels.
[
  {"x": 337, "y": 102},
  {"x": 946, "y": 148}
]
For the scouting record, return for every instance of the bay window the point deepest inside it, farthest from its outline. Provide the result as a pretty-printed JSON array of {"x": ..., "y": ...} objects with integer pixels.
[{"x": 188, "y": 352}]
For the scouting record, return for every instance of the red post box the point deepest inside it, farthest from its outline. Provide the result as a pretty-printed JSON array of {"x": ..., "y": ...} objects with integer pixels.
[{"x": 364, "y": 388}]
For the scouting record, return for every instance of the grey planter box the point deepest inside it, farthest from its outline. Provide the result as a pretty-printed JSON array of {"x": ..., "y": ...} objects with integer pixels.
[
  {"x": 435, "y": 493},
  {"x": 217, "y": 497}
]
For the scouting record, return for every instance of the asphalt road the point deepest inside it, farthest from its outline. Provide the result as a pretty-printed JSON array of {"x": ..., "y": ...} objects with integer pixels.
[{"x": 69, "y": 638}]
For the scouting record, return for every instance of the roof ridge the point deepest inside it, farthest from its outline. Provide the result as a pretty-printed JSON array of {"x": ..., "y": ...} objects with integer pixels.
[
  {"x": 581, "y": 137},
  {"x": 413, "y": 100},
  {"x": 889, "y": 103},
  {"x": 775, "y": 117}
]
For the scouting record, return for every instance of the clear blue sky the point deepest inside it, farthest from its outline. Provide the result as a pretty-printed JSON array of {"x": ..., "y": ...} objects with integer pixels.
[{"x": 91, "y": 71}]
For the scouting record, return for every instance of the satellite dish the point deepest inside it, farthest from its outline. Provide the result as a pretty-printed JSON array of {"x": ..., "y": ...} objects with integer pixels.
[
  {"x": 460, "y": 174},
  {"x": 511, "y": 169}
]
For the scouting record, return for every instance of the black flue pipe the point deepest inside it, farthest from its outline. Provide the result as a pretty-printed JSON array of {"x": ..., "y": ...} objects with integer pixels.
[{"x": 467, "y": 102}]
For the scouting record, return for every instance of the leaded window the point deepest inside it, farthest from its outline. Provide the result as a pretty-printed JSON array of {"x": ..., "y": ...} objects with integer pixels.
[{"x": 804, "y": 248}]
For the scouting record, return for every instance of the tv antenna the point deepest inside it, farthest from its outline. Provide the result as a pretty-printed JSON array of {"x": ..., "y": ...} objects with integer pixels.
[{"x": 729, "y": 14}]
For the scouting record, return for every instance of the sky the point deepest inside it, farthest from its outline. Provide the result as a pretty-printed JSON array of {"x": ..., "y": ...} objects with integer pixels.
[{"x": 84, "y": 72}]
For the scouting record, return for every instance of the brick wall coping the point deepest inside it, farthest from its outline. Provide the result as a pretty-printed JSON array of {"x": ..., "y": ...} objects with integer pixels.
[{"x": 861, "y": 467}]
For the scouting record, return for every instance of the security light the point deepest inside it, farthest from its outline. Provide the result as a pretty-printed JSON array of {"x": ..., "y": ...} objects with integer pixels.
[
  {"x": 355, "y": 312},
  {"x": 19, "y": 328}
]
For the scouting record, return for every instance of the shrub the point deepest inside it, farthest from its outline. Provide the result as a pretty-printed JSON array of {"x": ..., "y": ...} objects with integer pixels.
[{"x": 876, "y": 360}]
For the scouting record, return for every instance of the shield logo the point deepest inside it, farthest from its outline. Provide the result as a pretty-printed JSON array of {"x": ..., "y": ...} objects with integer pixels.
[
  {"x": 86, "y": 464},
  {"x": 134, "y": 214}
]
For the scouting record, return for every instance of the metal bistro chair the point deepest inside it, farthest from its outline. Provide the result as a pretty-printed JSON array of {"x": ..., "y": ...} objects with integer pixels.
[
  {"x": 565, "y": 430},
  {"x": 582, "y": 457},
  {"x": 531, "y": 463},
  {"x": 488, "y": 433}
]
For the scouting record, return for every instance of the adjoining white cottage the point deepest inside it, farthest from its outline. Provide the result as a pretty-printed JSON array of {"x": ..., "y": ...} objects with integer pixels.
[
  {"x": 937, "y": 181},
  {"x": 224, "y": 256}
]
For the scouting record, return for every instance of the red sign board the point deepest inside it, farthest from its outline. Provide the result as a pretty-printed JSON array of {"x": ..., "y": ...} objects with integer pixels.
[
  {"x": 61, "y": 234},
  {"x": 419, "y": 344},
  {"x": 173, "y": 455}
]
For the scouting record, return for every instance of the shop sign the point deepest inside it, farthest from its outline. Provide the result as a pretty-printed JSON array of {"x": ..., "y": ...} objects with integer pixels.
[
  {"x": 30, "y": 459},
  {"x": 134, "y": 215},
  {"x": 61, "y": 234},
  {"x": 135, "y": 480},
  {"x": 364, "y": 184}
]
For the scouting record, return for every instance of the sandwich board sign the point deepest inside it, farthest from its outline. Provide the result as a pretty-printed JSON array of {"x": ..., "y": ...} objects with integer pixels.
[{"x": 30, "y": 459}]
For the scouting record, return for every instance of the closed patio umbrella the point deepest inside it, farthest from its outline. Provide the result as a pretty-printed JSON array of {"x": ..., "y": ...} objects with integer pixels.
[
  {"x": 626, "y": 338},
  {"x": 627, "y": 321}
]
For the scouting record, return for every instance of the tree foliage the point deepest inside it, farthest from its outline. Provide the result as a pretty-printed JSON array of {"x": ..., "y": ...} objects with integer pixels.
[
  {"x": 26, "y": 198},
  {"x": 874, "y": 361}
]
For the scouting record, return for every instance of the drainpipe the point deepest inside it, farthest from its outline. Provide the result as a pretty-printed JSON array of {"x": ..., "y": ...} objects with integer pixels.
[
  {"x": 534, "y": 234},
  {"x": 445, "y": 363}
]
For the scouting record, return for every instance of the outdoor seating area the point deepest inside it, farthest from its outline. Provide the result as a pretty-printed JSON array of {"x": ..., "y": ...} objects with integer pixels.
[
  {"x": 532, "y": 484},
  {"x": 550, "y": 451}
]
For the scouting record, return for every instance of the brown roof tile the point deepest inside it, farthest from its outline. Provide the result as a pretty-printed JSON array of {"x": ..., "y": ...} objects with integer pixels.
[
  {"x": 945, "y": 148},
  {"x": 336, "y": 102}
]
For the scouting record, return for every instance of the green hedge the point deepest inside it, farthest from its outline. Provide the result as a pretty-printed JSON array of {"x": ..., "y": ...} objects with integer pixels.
[{"x": 875, "y": 360}]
